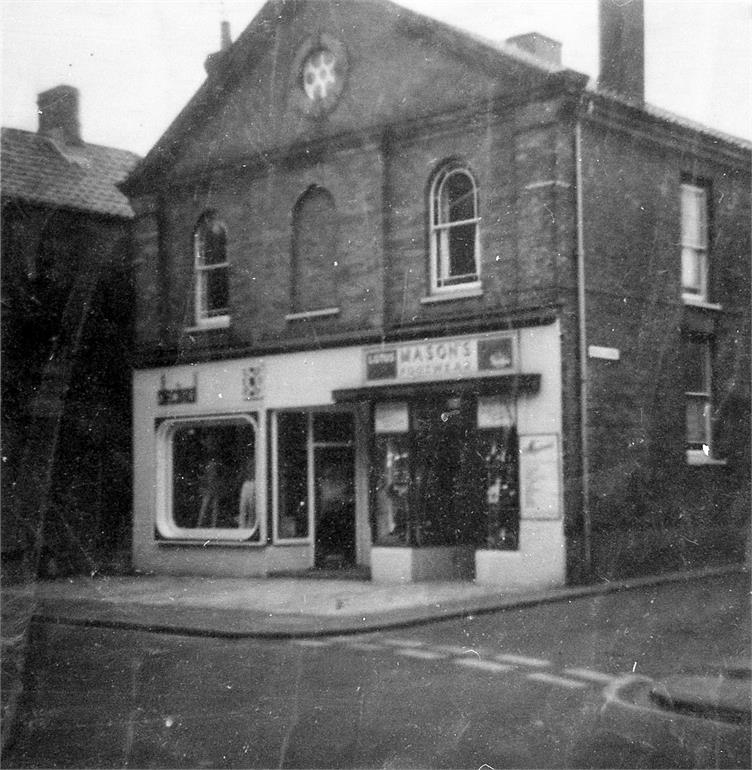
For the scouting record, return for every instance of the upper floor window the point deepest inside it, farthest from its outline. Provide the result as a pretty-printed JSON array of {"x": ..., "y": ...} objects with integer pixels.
[
  {"x": 694, "y": 242},
  {"x": 314, "y": 248},
  {"x": 455, "y": 244},
  {"x": 212, "y": 279},
  {"x": 697, "y": 395}
]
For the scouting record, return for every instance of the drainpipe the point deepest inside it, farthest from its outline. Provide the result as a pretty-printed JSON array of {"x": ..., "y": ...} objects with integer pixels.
[{"x": 586, "y": 523}]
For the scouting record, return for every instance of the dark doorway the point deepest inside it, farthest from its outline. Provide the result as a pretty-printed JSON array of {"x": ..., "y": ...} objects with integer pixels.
[
  {"x": 448, "y": 473},
  {"x": 334, "y": 477}
]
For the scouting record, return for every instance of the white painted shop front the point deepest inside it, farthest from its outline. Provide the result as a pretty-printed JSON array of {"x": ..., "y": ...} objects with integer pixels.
[{"x": 437, "y": 458}]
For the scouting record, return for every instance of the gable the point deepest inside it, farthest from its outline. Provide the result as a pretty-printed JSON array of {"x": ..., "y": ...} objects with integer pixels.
[{"x": 392, "y": 66}]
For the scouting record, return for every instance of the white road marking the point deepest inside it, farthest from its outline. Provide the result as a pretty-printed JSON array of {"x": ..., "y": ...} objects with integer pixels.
[
  {"x": 591, "y": 676},
  {"x": 411, "y": 652},
  {"x": 312, "y": 642},
  {"x": 559, "y": 681},
  {"x": 483, "y": 665},
  {"x": 521, "y": 660}
]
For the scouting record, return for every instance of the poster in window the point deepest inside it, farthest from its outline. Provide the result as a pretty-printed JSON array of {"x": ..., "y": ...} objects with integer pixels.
[{"x": 539, "y": 476}]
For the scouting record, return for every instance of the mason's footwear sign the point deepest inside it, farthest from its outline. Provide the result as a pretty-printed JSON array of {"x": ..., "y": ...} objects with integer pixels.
[{"x": 439, "y": 359}]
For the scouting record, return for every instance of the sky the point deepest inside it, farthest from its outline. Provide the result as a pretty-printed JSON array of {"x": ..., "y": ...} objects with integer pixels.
[{"x": 136, "y": 63}]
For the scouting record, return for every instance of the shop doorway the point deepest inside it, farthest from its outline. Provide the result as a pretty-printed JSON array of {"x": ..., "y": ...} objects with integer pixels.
[
  {"x": 334, "y": 506},
  {"x": 447, "y": 472}
]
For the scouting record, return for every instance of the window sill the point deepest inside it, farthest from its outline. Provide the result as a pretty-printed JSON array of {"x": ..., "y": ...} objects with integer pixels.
[
  {"x": 693, "y": 301},
  {"x": 452, "y": 295},
  {"x": 698, "y": 457},
  {"x": 305, "y": 315},
  {"x": 220, "y": 322}
]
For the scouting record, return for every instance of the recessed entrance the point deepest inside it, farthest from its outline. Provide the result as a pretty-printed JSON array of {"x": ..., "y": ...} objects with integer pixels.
[{"x": 334, "y": 507}]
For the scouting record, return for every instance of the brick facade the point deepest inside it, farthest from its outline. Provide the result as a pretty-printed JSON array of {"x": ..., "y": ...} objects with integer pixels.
[{"x": 515, "y": 130}]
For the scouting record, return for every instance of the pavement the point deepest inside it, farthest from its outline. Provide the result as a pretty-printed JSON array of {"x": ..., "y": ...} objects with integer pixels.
[{"x": 285, "y": 607}]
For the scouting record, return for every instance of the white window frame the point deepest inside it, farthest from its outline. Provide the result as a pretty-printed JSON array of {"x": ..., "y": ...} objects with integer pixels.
[
  {"x": 205, "y": 318},
  {"x": 703, "y": 454},
  {"x": 276, "y": 538},
  {"x": 311, "y": 446},
  {"x": 694, "y": 242},
  {"x": 441, "y": 280},
  {"x": 165, "y": 523}
]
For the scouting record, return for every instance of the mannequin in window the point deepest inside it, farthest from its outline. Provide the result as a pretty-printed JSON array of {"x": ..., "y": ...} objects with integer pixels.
[
  {"x": 210, "y": 488},
  {"x": 247, "y": 503}
]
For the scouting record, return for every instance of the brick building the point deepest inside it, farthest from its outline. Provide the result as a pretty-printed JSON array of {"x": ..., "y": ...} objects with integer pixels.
[
  {"x": 419, "y": 302},
  {"x": 66, "y": 332}
]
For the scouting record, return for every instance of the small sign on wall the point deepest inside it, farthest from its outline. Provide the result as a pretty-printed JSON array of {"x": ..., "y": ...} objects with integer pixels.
[
  {"x": 607, "y": 354},
  {"x": 540, "y": 494},
  {"x": 495, "y": 412},
  {"x": 253, "y": 382},
  {"x": 173, "y": 390},
  {"x": 391, "y": 417}
]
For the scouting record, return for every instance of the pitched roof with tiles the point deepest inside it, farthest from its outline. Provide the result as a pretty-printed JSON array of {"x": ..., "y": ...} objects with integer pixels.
[{"x": 36, "y": 169}]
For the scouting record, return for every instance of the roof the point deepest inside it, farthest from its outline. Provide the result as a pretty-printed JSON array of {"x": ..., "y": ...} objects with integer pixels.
[
  {"x": 256, "y": 37},
  {"x": 37, "y": 169},
  {"x": 485, "y": 52},
  {"x": 666, "y": 116}
]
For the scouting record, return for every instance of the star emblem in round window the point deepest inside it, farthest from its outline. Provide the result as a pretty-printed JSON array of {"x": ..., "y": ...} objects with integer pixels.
[{"x": 320, "y": 71}]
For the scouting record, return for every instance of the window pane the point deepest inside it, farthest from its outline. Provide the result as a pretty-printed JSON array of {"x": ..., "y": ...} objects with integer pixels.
[
  {"x": 393, "y": 484},
  {"x": 691, "y": 270},
  {"x": 695, "y": 367},
  {"x": 331, "y": 427},
  {"x": 698, "y": 410},
  {"x": 499, "y": 450},
  {"x": 210, "y": 465},
  {"x": 217, "y": 291},
  {"x": 215, "y": 244},
  {"x": 292, "y": 451},
  {"x": 694, "y": 217},
  {"x": 460, "y": 193},
  {"x": 462, "y": 251}
]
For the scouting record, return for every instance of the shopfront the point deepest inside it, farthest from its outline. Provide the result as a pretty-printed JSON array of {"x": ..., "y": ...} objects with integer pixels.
[{"x": 430, "y": 459}]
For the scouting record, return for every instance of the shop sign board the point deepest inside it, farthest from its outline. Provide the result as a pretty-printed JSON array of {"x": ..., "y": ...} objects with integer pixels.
[
  {"x": 441, "y": 359},
  {"x": 540, "y": 493}
]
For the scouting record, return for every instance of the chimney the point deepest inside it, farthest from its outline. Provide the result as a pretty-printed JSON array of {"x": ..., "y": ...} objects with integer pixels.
[
  {"x": 225, "y": 37},
  {"x": 545, "y": 48},
  {"x": 58, "y": 115},
  {"x": 225, "y": 41},
  {"x": 622, "y": 45}
]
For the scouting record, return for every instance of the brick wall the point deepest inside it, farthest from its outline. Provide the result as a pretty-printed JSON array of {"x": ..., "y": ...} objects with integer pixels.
[{"x": 636, "y": 411}]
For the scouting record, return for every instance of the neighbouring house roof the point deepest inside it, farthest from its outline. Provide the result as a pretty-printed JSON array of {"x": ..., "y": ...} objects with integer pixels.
[
  {"x": 37, "y": 169},
  {"x": 671, "y": 118}
]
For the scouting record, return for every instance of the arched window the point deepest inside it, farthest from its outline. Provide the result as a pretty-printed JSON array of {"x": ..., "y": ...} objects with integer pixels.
[
  {"x": 212, "y": 284},
  {"x": 455, "y": 252},
  {"x": 314, "y": 251}
]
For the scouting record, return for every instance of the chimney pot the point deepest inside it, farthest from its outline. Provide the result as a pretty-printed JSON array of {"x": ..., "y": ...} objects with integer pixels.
[
  {"x": 58, "y": 114},
  {"x": 545, "y": 48},
  {"x": 225, "y": 36}
]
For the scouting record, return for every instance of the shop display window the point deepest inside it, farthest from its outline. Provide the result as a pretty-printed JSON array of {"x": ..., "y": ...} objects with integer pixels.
[
  {"x": 210, "y": 489},
  {"x": 393, "y": 490},
  {"x": 449, "y": 477},
  {"x": 500, "y": 452},
  {"x": 292, "y": 456}
]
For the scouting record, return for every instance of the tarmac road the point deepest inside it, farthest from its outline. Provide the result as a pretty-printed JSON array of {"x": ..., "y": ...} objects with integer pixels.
[{"x": 517, "y": 688}]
